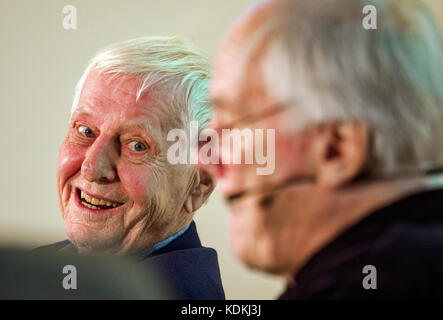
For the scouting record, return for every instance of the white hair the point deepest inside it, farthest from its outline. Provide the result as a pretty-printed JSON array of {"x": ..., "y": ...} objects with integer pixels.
[
  {"x": 172, "y": 67},
  {"x": 322, "y": 61}
]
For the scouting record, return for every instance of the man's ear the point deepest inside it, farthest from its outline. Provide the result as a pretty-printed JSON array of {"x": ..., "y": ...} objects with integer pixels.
[
  {"x": 340, "y": 153},
  {"x": 203, "y": 188}
]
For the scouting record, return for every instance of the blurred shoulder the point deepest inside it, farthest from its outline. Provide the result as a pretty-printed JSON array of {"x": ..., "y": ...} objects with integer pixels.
[{"x": 53, "y": 247}]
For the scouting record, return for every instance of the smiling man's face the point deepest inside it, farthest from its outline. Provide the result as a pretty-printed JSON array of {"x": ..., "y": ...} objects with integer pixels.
[{"x": 114, "y": 182}]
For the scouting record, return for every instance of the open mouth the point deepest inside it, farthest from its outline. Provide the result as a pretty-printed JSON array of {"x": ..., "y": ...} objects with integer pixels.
[{"x": 95, "y": 203}]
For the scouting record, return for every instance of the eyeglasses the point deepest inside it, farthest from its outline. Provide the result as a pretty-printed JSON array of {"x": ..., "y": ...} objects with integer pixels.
[
  {"x": 435, "y": 181},
  {"x": 254, "y": 117},
  {"x": 268, "y": 192},
  {"x": 293, "y": 180}
]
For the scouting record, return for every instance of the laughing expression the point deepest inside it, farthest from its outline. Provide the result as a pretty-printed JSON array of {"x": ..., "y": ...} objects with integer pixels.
[{"x": 114, "y": 183}]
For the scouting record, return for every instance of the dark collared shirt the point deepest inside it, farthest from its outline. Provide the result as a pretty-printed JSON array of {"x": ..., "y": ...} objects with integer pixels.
[{"x": 403, "y": 241}]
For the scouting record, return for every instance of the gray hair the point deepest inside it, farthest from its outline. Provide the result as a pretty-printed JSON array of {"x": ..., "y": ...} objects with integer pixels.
[
  {"x": 321, "y": 60},
  {"x": 171, "y": 66}
]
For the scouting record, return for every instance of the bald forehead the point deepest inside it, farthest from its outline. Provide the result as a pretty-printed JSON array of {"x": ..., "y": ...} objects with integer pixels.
[
  {"x": 251, "y": 21},
  {"x": 233, "y": 57}
]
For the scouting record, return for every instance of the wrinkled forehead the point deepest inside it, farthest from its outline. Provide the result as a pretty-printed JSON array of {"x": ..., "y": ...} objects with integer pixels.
[
  {"x": 113, "y": 100},
  {"x": 119, "y": 95},
  {"x": 121, "y": 88}
]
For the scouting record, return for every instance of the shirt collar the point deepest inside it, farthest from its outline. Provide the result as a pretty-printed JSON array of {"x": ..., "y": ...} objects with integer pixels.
[{"x": 157, "y": 246}]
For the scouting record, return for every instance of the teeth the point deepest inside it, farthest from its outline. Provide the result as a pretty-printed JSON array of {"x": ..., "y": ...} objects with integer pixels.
[
  {"x": 93, "y": 202},
  {"x": 90, "y": 206},
  {"x": 87, "y": 205}
]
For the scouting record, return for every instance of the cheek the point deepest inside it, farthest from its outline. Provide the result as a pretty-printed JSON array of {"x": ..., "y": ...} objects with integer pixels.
[
  {"x": 138, "y": 182},
  {"x": 290, "y": 153},
  {"x": 70, "y": 160}
]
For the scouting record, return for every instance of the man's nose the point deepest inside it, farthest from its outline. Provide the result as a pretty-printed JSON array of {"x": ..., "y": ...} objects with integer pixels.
[{"x": 99, "y": 163}]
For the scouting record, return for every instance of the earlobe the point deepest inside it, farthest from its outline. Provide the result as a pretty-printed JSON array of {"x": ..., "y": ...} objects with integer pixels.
[
  {"x": 203, "y": 189},
  {"x": 188, "y": 205}
]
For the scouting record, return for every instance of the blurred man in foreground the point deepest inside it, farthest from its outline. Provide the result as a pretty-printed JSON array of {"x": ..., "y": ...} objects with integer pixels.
[
  {"x": 68, "y": 276},
  {"x": 118, "y": 192},
  {"x": 354, "y": 208}
]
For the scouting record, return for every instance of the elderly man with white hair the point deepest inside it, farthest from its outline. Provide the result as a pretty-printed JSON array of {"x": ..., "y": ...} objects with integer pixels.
[
  {"x": 354, "y": 208},
  {"x": 117, "y": 190}
]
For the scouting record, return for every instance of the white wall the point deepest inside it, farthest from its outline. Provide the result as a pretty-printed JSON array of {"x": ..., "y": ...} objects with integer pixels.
[{"x": 40, "y": 63}]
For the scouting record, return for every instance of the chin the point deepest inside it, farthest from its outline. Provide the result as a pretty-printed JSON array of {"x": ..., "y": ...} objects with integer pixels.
[
  {"x": 88, "y": 240},
  {"x": 262, "y": 263},
  {"x": 78, "y": 233},
  {"x": 258, "y": 254},
  {"x": 251, "y": 253}
]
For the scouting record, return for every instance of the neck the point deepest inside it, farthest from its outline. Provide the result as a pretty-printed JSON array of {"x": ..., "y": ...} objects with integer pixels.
[{"x": 340, "y": 209}]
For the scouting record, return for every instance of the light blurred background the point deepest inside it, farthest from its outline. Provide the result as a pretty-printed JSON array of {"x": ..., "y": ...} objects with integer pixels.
[{"x": 40, "y": 63}]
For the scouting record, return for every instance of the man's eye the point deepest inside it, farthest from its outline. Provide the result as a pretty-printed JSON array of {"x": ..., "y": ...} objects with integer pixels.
[
  {"x": 86, "y": 131},
  {"x": 137, "y": 146}
]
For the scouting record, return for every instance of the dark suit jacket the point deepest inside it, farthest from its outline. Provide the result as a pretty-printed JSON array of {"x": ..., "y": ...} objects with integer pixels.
[{"x": 192, "y": 270}]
